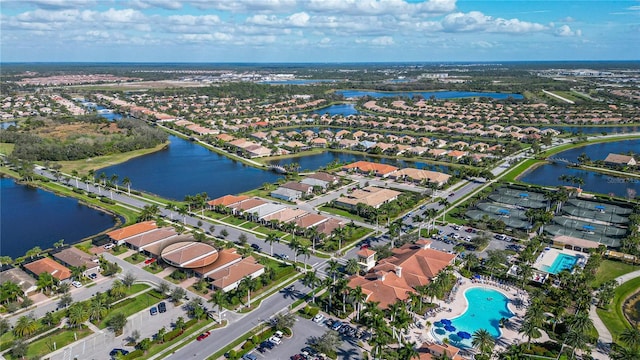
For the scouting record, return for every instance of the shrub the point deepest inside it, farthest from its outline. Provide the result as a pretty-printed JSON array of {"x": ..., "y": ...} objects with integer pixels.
[
  {"x": 232, "y": 354},
  {"x": 134, "y": 354},
  {"x": 106, "y": 200},
  {"x": 255, "y": 339},
  {"x": 172, "y": 334},
  {"x": 247, "y": 345},
  {"x": 190, "y": 323},
  {"x": 313, "y": 311}
]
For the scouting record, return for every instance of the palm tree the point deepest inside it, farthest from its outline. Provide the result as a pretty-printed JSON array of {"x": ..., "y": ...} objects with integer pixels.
[
  {"x": 25, "y": 326},
  {"x": 10, "y": 291},
  {"x": 581, "y": 322},
  {"x": 45, "y": 282},
  {"x": 294, "y": 244},
  {"x": 530, "y": 330},
  {"x": 306, "y": 252},
  {"x": 444, "y": 203},
  {"x": 77, "y": 315},
  {"x": 127, "y": 182},
  {"x": 358, "y": 297},
  {"x": 218, "y": 299},
  {"x": 118, "y": 322},
  {"x": 271, "y": 238},
  {"x": 483, "y": 341},
  {"x": 575, "y": 339},
  {"x": 631, "y": 337},
  {"x": 114, "y": 180},
  {"x": 352, "y": 266},
  {"x": 118, "y": 289},
  {"x": 97, "y": 309},
  {"x": 184, "y": 212},
  {"x": 74, "y": 173},
  {"x": 250, "y": 284},
  {"x": 311, "y": 279},
  {"x": 408, "y": 351}
]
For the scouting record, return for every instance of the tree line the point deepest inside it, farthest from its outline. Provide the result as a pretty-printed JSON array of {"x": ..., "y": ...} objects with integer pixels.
[{"x": 135, "y": 135}]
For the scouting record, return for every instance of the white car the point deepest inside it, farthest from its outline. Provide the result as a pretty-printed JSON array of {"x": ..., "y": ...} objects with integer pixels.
[
  {"x": 318, "y": 318},
  {"x": 109, "y": 246},
  {"x": 456, "y": 235},
  {"x": 276, "y": 340},
  {"x": 468, "y": 238},
  {"x": 77, "y": 284}
]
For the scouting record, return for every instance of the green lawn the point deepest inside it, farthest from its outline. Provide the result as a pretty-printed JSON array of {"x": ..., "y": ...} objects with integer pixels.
[
  {"x": 233, "y": 220},
  {"x": 249, "y": 225},
  {"x": 515, "y": 172},
  {"x": 153, "y": 268},
  {"x": 340, "y": 212},
  {"x": 267, "y": 231},
  {"x": 61, "y": 337},
  {"x": 135, "y": 258},
  {"x": 132, "y": 306},
  {"x": 611, "y": 269},
  {"x": 6, "y": 148},
  {"x": 613, "y": 318}
]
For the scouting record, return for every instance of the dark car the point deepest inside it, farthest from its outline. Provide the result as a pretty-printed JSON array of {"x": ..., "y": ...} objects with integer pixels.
[
  {"x": 153, "y": 310},
  {"x": 93, "y": 276},
  {"x": 162, "y": 307},
  {"x": 116, "y": 352},
  {"x": 256, "y": 247},
  {"x": 267, "y": 344}
]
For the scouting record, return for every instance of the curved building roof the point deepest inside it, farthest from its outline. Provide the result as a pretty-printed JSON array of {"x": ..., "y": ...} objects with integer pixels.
[{"x": 189, "y": 254}]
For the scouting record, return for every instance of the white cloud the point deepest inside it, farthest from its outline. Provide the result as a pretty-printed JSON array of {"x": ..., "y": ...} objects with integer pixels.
[
  {"x": 122, "y": 16},
  {"x": 567, "y": 19},
  {"x": 299, "y": 19},
  {"x": 163, "y": 4},
  {"x": 200, "y": 38},
  {"x": 381, "y": 7},
  {"x": 565, "y": 31},
  {"x": 325, "y": 40},
  {"x": 483, "y": 44},
  {"x": 191, "y": 20},
  {"x": 476, "y": 21},
  {"x": 240, "y": 6},
  {"x": 382, "y": 41},
  {"x": 60, "y": 4}
]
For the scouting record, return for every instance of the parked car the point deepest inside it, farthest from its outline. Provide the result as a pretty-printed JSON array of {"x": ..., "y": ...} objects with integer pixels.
[
  {"x": 282, "y": 256},
  {"x": 298, "y": 357},
  {"x": 256, "y": 247},
  {"x": 279, "y": 334},
  {"x": 267, "y": 344},
  {"x": 276, "y": 340},
  {"x": 162, "y": 307},
  {"x": 77, "y": 284},
  {"x": 336, "y": 326},
  {"x": 150, "y": 261},
  {"x": 117, "y": 351},
  {"x": 329, "y": 322},
  {"x": 203, "y": 336},
  {"x": 153, "y": 311},
  {"x": 318, "y": 318},
  {"x": 249, "y": 357},
  {"x": 93, "y": 276},
  {"x": 109, "y": 246}
]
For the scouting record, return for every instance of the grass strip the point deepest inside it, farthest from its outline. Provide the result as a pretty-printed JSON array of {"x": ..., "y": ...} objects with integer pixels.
[{"x": 613, "y": 318}]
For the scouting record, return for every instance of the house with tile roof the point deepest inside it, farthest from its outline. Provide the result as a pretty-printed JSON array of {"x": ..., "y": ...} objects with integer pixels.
[
  {"x": 229, "y": 277},
  {"x": 119, "y": 236},
  {"x": 77, "y": 258},
  {"x": 371, "y": 195},
  {"x": 396, "y": 277},
  {"x": 367, "y": 167},
  {"x": 618, "y": 159},
  {"x": 286, "y": 194},
  {"x": 48, "y": 265}
]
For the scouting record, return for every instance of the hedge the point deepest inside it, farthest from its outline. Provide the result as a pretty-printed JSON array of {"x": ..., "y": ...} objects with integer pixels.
[
  {"x": 172, "y": 335},
  {"x": 134, "y": 354}
]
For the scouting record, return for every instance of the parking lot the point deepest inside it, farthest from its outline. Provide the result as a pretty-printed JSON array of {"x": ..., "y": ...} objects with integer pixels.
[{"x": 303, "y": 331}]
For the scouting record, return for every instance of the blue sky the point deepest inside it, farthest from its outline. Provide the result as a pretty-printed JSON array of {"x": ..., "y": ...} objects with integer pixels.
[{"x": 317, "y": 30}]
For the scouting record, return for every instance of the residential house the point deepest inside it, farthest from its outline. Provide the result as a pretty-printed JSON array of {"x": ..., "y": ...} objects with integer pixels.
[
  {"x": 371, "y": 196},
  {"x": 303, "y": 188},
  {"x": 618, "y": 159},
  {"x": 366, "y": 167},
  {"x": 74, "y": 257},
  {"x": 286, "y": 194},
  {"x": 48, "y": 265},
  {"x": 229, "y": 278},
  {"x": 119, "y": 236}
]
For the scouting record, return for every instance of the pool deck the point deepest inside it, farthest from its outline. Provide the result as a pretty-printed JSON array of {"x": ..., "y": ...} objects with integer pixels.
[
  {"x": 547, "y": 257},
  {"x": 459, "y": 305}
]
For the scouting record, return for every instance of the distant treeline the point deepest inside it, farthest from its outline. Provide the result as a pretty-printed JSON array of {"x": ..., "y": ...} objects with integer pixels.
[{"x": 35, "y": 148}]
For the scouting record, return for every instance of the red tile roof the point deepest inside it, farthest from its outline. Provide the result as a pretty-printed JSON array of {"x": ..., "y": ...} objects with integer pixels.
[
  {"x": 48, "y": 265},
  {"x": 132, "y": 230}
]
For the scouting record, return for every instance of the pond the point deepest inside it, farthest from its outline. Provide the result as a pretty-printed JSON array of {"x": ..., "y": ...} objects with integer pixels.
[
  {"x": 426, "y": 94},
  {"x": 186, "y": 168},
  {"x": 590, "y": 130},
  {"x": 548, "y": 174},
  {"x": 33, "y": 217},
  {"x": 338, "y": 109}
]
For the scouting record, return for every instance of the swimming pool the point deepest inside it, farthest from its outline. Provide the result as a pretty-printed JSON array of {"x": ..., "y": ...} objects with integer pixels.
[
  {"x": 561, "y": 262},
  {"x": 485, "y": 309}
]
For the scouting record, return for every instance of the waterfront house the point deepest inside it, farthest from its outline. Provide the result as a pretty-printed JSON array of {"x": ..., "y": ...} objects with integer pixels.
[
  {"x": 315, "y": 182},
  {"x": 48, "y": 265},
  {"x": 303, "y": 188},
  {"x": 366, "y": 167},
  {"x": 371, "y": 195},
  {"x": 17, "y": 276},
  {"x": 419, "y": 176},
  {"x": 120, "y": 236},
  {"x": 286, "y": 194},
  {"x": 620, "y": 160},
  {"x": 73, "y": 257}
]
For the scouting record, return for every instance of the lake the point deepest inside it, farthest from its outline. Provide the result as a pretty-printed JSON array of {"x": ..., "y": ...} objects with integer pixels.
[
  {"x": 185, "y": 168},
  {"x": 296, "y": 82},
  {"x": 102, "y": 111},
  {"x": 338, "y": 109},
  {"x": 33, "y": 217},
  {"x": 426, "y": 94},
  {"x": 548, "y": 174},
  {"x": 596, "y": 129},
  {"x": 316, "y": 161}
]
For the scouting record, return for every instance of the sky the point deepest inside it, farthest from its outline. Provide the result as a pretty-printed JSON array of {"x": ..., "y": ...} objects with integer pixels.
[{"x": 317, "y": 31}]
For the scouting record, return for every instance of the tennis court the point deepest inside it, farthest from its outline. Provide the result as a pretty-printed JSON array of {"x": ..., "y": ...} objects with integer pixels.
[
  {"x": 600, "y": 206},
  {"x": 521, "y": 201},
  {"x": 535, "y": 196},
  {"x": 593, "y": 214},
  {"x": 555, "y": 229}
]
